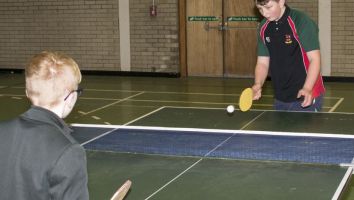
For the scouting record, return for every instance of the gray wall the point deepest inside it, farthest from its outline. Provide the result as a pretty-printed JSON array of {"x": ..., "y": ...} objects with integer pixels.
[{"x": 89, "y": 31}]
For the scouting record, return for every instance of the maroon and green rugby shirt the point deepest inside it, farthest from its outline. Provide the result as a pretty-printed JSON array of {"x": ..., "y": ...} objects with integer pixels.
[{"x": 286, "y": 42}]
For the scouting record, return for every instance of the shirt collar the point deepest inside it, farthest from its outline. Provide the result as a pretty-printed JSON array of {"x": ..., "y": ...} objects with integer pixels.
[
  {"x": 43, "y": 115},
  {"x": 285, "y": 15}
]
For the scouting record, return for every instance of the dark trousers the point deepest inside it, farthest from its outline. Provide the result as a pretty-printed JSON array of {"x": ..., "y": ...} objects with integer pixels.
[{"x": 296, "y": 105}]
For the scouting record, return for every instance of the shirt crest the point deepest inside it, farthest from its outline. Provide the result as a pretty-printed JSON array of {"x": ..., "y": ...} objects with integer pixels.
[{"x": 288, "y": 39}]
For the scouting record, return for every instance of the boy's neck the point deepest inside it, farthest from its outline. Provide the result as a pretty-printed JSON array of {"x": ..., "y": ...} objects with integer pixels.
[{"x": 282, "y": 13}]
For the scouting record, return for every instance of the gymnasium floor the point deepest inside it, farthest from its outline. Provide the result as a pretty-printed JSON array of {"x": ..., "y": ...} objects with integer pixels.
[{"x": 197, "y": 103}]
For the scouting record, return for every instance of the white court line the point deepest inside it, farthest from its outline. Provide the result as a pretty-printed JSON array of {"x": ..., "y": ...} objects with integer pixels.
[
  {"x": 95, "y": 138},
  {"x": 172, "y": 180},
  {"x": 111, "y": 104},
  {"x": 165, "y": 92},
  {"x": 196, "y": 102},
  {"x": 192, "y": 93},
  {"x": 166, "y": 101},
  {"x": 163, "y": 101},
  {"x": 134, "y": 120},
  {"x": 100, "y": 98},
  {"x": 194, "y": 164},
  {"x": 96, "y": 118},
  {"x": 14, "y": 95},
  {"x": 336, "y": 105},
  {"x": 223, "y": 131},
  {"x": 253, "y": 109},
  {"x": 233, "y": 132},
  {"x": 344, "y": 181},
  {"x": 115, "y": 127}
]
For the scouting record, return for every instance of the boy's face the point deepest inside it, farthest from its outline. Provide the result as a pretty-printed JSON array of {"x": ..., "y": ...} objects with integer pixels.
[{"x": 272, "y": 10}]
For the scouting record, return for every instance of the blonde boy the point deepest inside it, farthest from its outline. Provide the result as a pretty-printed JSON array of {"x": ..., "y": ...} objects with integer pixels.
[{"x": 39, "y": 158}]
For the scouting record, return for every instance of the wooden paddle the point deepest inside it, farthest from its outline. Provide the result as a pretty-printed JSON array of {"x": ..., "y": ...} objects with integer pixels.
[
  {"x": 122, "y": 191},
  {"x": 246, "y": 99}
]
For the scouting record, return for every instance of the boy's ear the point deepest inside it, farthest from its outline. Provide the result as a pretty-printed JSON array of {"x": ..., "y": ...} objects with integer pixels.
[{"x": 281, "y": 3}]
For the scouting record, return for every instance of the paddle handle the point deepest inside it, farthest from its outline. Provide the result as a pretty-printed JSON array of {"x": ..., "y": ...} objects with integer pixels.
[{"x": 122, "y": 191}]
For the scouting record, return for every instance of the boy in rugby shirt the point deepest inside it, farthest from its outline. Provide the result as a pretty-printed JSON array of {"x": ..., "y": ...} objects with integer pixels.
[{"x": 288, "y": 46}]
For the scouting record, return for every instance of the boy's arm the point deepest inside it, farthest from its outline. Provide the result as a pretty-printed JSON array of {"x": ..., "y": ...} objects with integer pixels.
[
  {"x": 261, "y": 73},
  {"x": 312, "y": 75},
  {"x": 68, "y": 178}
]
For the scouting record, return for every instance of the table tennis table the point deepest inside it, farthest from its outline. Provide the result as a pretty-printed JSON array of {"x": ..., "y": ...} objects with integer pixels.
[{"x": 209, "y": 174}]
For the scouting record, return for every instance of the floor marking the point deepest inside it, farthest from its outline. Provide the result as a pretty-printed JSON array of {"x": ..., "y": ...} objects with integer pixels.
[
  {"x": 161, "y": 188},
  {"x": 117, "y": 127},
  {"x": 165, "y": 92},
  {"x": 100, "y": 98},
  {"x": 95, "y": 138},
  {"x": 95, "y": 117},
  {"x": 223, "y": 131},
  {"x": 14, "y": 95},
  {"x": 252, "y": 109},
  {"x": 192, "y": 93},
  {"x": 343, "y": 183},
  {"x": 195, "y": 102},
  {"x": 194, "y": 164},
  {"x": 111, "y": 104},
  {"x": 254, "y": 119},
  {"x": 134, "y": 120},
  {"x": 336, "y": 105},
  {"x": 81, "y": 112}
]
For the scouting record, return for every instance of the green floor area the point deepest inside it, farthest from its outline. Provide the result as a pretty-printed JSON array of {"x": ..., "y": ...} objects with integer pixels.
[{"x": 118, "y": 100}]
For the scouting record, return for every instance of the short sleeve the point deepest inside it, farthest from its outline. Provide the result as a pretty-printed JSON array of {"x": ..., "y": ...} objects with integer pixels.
[
  {"x": 262, "y": 49},
  {"x": 308, "y": 33}
]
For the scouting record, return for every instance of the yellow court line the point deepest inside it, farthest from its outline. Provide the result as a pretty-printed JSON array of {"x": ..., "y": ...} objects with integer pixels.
[
  {"x": 203, "y": 102},
  {"x": 336, "y": 105},
  {"x": 191, "y": 93},
  {"x": 332, "y": 108},
  {"x": 187, "y": 93}
]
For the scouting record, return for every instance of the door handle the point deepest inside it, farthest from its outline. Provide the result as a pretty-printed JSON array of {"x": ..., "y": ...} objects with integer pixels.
[{"x": 219, "y": 27}]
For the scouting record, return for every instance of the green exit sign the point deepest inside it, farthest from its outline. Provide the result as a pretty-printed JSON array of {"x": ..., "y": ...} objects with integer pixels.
[
  {"x": 242, "y": 19},
  {"x": 203, "y": 18}
]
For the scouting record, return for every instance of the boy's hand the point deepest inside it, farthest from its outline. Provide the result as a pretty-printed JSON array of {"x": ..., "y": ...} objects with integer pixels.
[
  {"x": 307, "y": 96},
  {"x": 257, "y": 91}
]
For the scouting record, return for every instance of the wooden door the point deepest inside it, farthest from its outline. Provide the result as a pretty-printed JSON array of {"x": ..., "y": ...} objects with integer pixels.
[
  {"x": 240, "y": 44},
  {"x": 221, "y": 38},
  {"x": 204, "y": 39}
]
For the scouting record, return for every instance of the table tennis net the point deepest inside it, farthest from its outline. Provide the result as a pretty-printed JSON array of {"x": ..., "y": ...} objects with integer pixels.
[{"x": 228, "y": 145}]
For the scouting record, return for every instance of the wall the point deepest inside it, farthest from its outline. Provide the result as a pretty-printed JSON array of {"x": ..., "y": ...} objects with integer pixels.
[
  {"x": 154, "y": 40},
  {"x": 310, "y": 7},
  {"x": 84, "y": 29},
  {"x": 343, "y": 38},
  {"x": 89, "y": 31}
]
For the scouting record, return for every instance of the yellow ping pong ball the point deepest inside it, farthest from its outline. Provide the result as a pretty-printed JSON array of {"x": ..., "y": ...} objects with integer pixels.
[{"x": 230, "y": 109}]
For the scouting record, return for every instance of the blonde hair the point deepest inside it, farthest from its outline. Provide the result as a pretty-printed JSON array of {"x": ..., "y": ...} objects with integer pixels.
[{"x": 50, "y": 76}]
